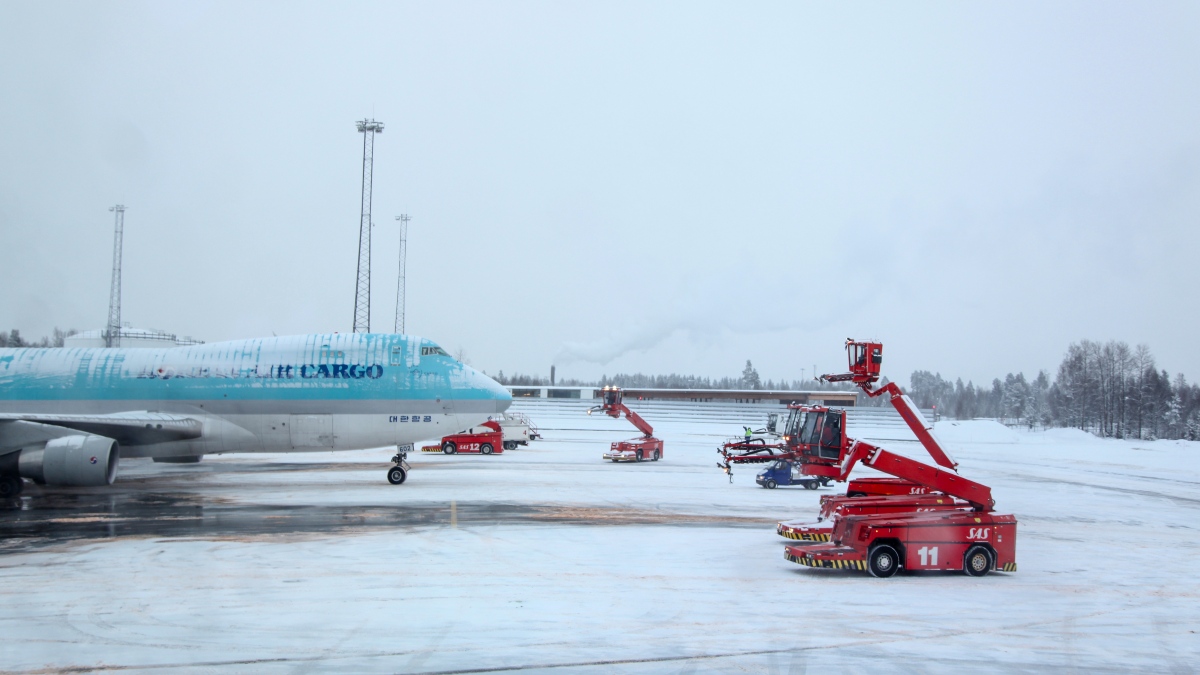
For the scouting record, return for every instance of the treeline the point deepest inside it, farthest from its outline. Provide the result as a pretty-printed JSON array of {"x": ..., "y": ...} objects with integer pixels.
[
  {"x": 1107, "y": 389},
  {"x": 749, "y": 379},
  {"x": 13, "y": 339}
]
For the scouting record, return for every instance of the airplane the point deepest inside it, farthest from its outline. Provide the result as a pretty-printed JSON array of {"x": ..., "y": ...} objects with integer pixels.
[{"x": 67, "y": 415}]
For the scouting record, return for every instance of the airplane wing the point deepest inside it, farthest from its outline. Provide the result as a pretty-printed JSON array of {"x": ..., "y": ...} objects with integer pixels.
[{"x": 127, "y": 428}]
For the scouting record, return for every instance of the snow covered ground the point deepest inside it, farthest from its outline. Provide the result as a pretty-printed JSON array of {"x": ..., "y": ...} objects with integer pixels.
[{"x": 547, "y": 559}]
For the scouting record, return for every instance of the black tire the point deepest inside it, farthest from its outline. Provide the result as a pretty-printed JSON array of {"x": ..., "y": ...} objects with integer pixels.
[
  {"x": 856, "y": 494},
  {"x": 510, "y": 445},
  {"x": 656, "y": 455},
  {"x": 397, "y": 475},
  {"x": 614, "y": 461},
  {"x": 978, "y": 561},
  {"x": 771, "y": 483},
  {"x": 639, "y": 455},
  {"x": 10, "y": 486},
  {"x": 485, "y": 448},
  {"x": 811, "y": 484},
  {"x": 883, "y": 560},
  {"x": 449, "y": 448}
]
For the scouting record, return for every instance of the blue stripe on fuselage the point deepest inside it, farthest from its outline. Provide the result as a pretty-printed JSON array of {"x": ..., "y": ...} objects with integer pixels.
[{"x": 366, "y": 367}]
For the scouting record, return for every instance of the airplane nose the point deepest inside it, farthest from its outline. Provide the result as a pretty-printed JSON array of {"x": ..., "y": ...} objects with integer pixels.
[
  {"x": 503, "y": 396},
  {"x": 491, "y": 390}
]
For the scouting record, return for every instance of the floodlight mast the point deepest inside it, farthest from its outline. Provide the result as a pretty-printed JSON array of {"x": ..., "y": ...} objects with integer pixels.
[
  {"x": 112, "y": 331},
  {"x": 400, "y": 289},
  {"x": 362, "y": 291}
]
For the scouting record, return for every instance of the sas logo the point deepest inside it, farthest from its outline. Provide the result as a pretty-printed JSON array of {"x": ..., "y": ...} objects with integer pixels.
[
  {"x": 979, "y": 533},
  {"x": 918, "y": 490}
]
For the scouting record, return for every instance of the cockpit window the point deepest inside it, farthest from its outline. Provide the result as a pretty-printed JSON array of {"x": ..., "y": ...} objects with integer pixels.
[{"x": 433, "y": 351}]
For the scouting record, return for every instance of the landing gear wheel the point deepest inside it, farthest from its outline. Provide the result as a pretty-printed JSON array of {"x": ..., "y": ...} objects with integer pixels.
[
  {"x": 397, "y": 475},
  {"x": 449, "y": 448},
  {"x": 614, "y": 461},
  {"x": 771, "y": 483},
  {"x": 485, "y": 449},
  {"x": 10, "y": 486},
  {"x": 639, "y": 455},
  {"x": 811, "y": 484},
  {"x": 978, "y": 561},
  {"x": 883, "y": 561},
  {"x": 656, "y": 455}
]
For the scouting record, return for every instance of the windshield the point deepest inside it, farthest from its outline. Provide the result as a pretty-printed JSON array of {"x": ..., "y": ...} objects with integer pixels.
[
  {"x": 811, "y": 425},
  {"x": 794, "y": 420}
]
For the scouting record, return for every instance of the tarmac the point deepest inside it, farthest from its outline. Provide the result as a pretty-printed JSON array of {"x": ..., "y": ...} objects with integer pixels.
[{"x": 548, "y": 559}]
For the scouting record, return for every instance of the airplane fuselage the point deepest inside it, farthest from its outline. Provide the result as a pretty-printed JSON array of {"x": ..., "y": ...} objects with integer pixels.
[{"x": 298, "y": 393}]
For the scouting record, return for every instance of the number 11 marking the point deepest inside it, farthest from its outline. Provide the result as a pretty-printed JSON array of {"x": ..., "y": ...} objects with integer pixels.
[{"x": 928, "y": 556}]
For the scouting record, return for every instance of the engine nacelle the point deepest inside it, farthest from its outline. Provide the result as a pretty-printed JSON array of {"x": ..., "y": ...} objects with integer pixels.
[{"x": 80, "y": 460}]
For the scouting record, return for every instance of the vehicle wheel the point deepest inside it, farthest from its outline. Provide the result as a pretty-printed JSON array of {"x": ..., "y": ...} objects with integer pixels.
[
  {"x": 883, "y": 561},
  {"x": 485, "y": 449},
  {"x": 449, "y": 448},
  {"x": 10, "y": 486},
  {"x": 978, "y": 561},
  {"x": 639, "y": 455},
  {"x": 811, "y": 484},
  {"x": 510, "y": 445},
  {"x": 397, "y": 475},
  {"x": 614, "y": 461},
  {"x": 771, "y": 483},
  {"x": 856, "y": 494},
  {"x": 656, "y": 455}
]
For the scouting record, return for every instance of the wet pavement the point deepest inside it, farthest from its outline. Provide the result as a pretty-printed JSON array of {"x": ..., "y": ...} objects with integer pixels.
[{"x": 171, "y": 505}]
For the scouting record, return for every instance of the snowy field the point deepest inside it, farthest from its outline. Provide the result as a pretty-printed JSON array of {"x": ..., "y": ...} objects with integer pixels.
[{"x": 547, "y": 559}]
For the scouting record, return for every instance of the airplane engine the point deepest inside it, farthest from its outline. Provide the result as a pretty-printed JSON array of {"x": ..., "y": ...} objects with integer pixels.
[{"x": 80, "y": 460}]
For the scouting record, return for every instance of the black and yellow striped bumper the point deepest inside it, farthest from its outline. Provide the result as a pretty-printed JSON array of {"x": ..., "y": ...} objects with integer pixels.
[
  {"x": 828, "y": 564},
  {"x": 1008, "y": 567},
  {"x": 802, "y": 536}
]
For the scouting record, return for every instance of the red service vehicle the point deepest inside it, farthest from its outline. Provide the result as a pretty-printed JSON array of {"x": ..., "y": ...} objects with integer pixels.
[
  {"x": 487, "y": 439},
  {"x": 645, "y": 447},
  {"x": 886, "y": 524},
  {"x": 882, "y": 544}
]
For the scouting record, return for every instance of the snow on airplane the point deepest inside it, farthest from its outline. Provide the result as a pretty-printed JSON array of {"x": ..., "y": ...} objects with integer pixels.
[{"x": 67, "y": 415}]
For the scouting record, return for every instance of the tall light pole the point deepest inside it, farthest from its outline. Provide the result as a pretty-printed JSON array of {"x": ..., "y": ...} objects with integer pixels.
[
  {"x": 362, "y": 291},
  {"x": 403, "y": 218},
  {"x": 112, "y": 332}
]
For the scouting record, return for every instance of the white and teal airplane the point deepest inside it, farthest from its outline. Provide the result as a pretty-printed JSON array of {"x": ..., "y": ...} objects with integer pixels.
[{"x": 68, "y": 415}]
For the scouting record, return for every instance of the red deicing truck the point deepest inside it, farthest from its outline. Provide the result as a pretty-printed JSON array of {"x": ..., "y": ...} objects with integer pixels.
[{"x": 921, "y": 518}]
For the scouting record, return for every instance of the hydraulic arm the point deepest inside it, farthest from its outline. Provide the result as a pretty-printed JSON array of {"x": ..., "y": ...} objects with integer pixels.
[
  {"x": 866, "y": 358},
  {"x": 614, "y": 408}
]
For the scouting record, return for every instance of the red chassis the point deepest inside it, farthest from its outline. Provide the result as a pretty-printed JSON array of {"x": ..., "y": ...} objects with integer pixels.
[
  {"x": 837, "y": 506},
  {"x": 970, "y": 541},
  {"x": 645, "y": 447}
]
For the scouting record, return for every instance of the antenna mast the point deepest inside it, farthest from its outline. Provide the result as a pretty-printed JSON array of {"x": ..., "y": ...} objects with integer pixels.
[
  {"x": 403, "y": 218},
  {"x": 362, "y": 292},
  {"x": 112, "y": 332}
]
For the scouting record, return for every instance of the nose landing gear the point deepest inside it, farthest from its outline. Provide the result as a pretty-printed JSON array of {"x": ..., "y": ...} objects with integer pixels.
[{"x": 399, "y": 473}]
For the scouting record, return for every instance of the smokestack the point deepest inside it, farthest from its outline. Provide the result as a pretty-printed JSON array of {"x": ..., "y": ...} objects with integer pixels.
[{"x": 551, "y": 376}]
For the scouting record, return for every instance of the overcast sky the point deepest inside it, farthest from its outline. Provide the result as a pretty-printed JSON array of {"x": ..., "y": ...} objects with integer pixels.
[{"x": 611, "y": 187}]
